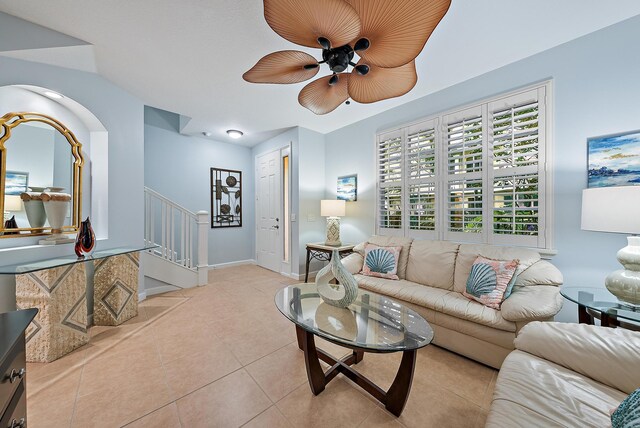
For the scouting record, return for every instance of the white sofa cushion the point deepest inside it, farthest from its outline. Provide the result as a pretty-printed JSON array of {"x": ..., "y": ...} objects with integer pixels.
[
  {"x": 533, "y": 392},
  {"x": 533, "y": 303},
  {"x": 540, "y": 273},
  {"x": 448, "y": 302},
  {"x": 467, "y": 254},
  {"x": 432, "y": 263}
]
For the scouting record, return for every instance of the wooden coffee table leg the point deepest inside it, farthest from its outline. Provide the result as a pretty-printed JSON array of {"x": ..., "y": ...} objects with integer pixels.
[
  {"x": 315, "y": 374},
  {"x": 399, "y": 392}
]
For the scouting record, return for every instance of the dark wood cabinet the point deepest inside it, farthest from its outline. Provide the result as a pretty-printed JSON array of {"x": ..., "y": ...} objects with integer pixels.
[{"x": 13, "y": 368}]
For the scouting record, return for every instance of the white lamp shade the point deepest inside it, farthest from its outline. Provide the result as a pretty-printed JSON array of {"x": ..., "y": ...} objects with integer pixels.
[
  {"x": 333, "y": 208},
  {"x": 12, "y": 203},
  {"x": 611, "y": 209}
]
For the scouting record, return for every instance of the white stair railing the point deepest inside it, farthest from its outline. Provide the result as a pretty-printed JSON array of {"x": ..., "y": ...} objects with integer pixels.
[{"x": 180, "y": 235}]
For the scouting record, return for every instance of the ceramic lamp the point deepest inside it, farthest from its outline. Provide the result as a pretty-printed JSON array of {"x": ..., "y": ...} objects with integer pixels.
[
  {"x": 333, "y": 209},
  {"x": 617, "y": 210}
]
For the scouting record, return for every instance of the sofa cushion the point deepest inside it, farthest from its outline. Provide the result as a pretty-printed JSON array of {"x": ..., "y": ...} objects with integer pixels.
[
  {"x": 431, "y": 263},
  {"x": 394, "y": 241},
  {"x": 381, "y": 262},
  {"x": 448, "y": 302},
  {"x": 536, "y": 392},
  {"x": 467, "y": 254},
  {"x": 489, "y": 279},
  {"x": 540, "y": 273}
]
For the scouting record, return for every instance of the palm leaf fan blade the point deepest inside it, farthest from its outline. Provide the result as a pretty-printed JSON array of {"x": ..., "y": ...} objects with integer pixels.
[
  {"x": 304, "y": 21},
  {"x": 282, "y": 67},
  {"x": 382, "y": 83},
  {"x": 397, "y": 30},
  {"x": 321, "y": 98}
]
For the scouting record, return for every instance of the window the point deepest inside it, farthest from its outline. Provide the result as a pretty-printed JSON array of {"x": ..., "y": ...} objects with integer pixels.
[{"x": 477, "y": 174}]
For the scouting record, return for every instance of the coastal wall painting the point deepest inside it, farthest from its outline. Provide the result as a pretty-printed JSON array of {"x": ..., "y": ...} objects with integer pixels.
[
  {"x": 226, "y": 198},
  {"x": 16, "y": 182},
  {"x": 614, "y": 160},
  {"x": 348, "y": 188}
]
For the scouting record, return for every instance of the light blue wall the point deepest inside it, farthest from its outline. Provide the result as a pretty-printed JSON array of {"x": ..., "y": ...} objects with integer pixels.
[
  {"x": 596, "y": 92},
  {"x": 178, "y": 167},
  {"x": 122, "y": 116}
]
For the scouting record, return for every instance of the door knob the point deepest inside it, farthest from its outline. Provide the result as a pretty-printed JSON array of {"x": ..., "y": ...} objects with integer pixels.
[
  {"x": 276, "y": 227},
  {"x": 277, "y": 219}
]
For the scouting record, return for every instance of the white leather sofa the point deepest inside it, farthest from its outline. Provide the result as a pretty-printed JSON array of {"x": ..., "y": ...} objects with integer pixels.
[
  {"x": 569, "y": 375},
  {"x": 433, "y": 275}
]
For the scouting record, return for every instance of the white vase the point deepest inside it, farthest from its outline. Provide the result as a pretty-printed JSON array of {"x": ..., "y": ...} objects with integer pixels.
[
  {"x": 625, "y": 283},
  {"x": 340, "y": 295},
  {"x": 56, "y": 206},
  {"x": 34, "y": 208}
]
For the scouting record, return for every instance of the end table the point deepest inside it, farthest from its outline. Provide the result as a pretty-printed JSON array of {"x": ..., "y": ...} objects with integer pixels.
[
  {"x": 598, "y": 302},
  {"x": 320, "y": 251}
]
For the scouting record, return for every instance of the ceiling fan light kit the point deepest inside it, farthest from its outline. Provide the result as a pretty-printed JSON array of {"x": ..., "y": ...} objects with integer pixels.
[{"x": 387, "y": 36}]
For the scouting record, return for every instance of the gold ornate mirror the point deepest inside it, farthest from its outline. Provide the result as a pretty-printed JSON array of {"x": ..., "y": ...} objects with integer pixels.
[{"x": 40, "y": 177}]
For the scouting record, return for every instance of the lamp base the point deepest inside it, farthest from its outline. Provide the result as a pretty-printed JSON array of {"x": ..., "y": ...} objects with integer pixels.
[
  {"x": 625, "y": 283},
  {"x": 333, "y": 232}
]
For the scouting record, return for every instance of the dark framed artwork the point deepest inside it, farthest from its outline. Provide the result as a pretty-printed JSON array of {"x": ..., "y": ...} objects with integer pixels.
[
  {"x": 348, "y": 188},
  {"x": 226, "y": 198},
  {"x": 614, "y": 160},
  {"x": 16, "y": 182}
]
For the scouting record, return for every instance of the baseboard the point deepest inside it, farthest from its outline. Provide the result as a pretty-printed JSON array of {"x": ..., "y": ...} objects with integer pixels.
[
  {"x": 159, "y": 290},
  {"x": 300, "y": 276},
  {"x": 142, "y": 296},
  {"x": 232, "y": 264}
]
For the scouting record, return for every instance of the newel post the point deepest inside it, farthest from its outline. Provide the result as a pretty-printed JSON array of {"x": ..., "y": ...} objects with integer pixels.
[{"x": 203, "y": 247}]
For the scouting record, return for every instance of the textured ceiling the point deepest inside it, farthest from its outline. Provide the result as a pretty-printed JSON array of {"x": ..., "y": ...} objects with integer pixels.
[{"x": 189, "y": 56}]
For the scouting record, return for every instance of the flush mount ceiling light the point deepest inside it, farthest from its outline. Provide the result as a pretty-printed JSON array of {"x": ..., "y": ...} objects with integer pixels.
[
  {"x": 387, "y": 35},
  {"x": 234, "y": 133},
  {"x": 54, "y": 95}
]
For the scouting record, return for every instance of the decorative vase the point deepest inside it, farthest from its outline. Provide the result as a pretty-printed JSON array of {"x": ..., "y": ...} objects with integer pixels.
[
  {"x": 342, "y": 294},
  {"x": 56, "y": 205},
  {"x": 86, "y": 239},
  {"x": 34, "y": 208},
  {"x": 11, "y": 224},
  {"x": 625, "y": 283}
]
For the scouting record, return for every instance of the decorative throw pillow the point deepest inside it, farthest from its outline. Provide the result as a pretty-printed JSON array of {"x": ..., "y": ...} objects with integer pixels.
[
  {"x": 627, "y": 415},
  {"x": 489, "y": 279},
  {"x": 381, "y": 261}
]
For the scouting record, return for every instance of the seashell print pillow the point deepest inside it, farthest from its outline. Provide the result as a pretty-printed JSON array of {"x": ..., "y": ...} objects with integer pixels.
[
  {"x": 489, "y": 280},
  {"x": 381, "y": 262}
]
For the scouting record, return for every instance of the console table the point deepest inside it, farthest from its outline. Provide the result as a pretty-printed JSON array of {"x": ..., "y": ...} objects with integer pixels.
[
  {"x": 322, "y": 252},
  {"x": 64, "y": 288}
]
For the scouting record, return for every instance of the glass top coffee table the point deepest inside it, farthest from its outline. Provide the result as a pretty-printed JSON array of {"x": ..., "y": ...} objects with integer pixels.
[
  {"x": 373, "y": 323},
  {"x": 599, "y": 303}
]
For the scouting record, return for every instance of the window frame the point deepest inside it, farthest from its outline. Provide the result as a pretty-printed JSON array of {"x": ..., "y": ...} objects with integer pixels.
[{"x": 544, "y": 241}]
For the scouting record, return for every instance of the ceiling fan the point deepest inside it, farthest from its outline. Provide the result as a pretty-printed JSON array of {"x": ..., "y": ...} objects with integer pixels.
[{"x": 387, "y": 36}]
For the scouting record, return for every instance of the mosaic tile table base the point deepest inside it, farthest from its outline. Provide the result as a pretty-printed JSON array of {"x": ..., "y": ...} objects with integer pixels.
[
  {"x": 115, "y": 298},
  {"x": 60, "y": 294}
]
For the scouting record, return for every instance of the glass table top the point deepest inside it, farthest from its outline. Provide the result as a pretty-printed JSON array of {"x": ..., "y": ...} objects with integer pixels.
[
  {"x": 373, "y": 322},
  {"x": 29, "y": 267},
  {"x": 601, "y": 300}
]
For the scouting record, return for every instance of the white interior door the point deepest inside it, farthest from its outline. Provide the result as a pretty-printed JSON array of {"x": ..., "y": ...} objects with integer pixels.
[{"x": 269, "y": 211}]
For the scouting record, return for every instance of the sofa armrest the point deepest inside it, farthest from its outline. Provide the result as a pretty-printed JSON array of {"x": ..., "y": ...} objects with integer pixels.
[
  {"x": 607, "y": 355},
  {"x": 353, "y": 262},
  {"x": 532, "y": 303}
]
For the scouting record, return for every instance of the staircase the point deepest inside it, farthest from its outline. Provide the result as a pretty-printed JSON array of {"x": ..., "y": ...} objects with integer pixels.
[{"x": 181, "y": 258}]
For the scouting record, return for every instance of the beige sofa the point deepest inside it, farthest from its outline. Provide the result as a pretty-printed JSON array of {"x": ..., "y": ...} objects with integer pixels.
[
  {"x": 569, "y": 375},
  {"x": 433, "y": 275}
]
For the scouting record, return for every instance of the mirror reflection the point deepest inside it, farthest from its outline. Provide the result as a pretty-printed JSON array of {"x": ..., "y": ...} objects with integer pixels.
[{"x": 39, "y": 185}]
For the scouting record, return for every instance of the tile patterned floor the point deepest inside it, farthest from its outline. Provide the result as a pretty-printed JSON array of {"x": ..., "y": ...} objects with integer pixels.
[{"x": 223, "y": 356}]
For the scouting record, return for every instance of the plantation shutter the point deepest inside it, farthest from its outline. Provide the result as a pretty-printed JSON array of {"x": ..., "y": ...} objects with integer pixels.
[
  {"x": 421, "y": 180},
  {"x": 516, "y": 175},
  {"x": 390, "y": 183},
  {"x": 464, "y": 159}
]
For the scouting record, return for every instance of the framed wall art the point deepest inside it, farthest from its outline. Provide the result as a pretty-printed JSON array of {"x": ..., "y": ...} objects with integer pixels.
[
  {"x": 614, "y": 160},
  {"x": 348, "y": 188},
  {"x": 226, "y": 198},
  {"x": 16, "y": 182}
]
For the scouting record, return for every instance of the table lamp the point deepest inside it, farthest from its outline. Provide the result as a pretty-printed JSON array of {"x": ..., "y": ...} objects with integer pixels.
[
  {"x": 617, "y": 210},
  {"x": 333, "y": 209},
  {"x": 12, "y": 203}
]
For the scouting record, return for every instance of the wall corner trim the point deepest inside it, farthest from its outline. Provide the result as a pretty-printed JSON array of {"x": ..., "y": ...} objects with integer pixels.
[{"x": 231, "y": 264}]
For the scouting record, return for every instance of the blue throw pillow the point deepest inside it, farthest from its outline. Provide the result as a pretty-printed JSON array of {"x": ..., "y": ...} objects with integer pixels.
[{"x": 627, "y": 415}]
